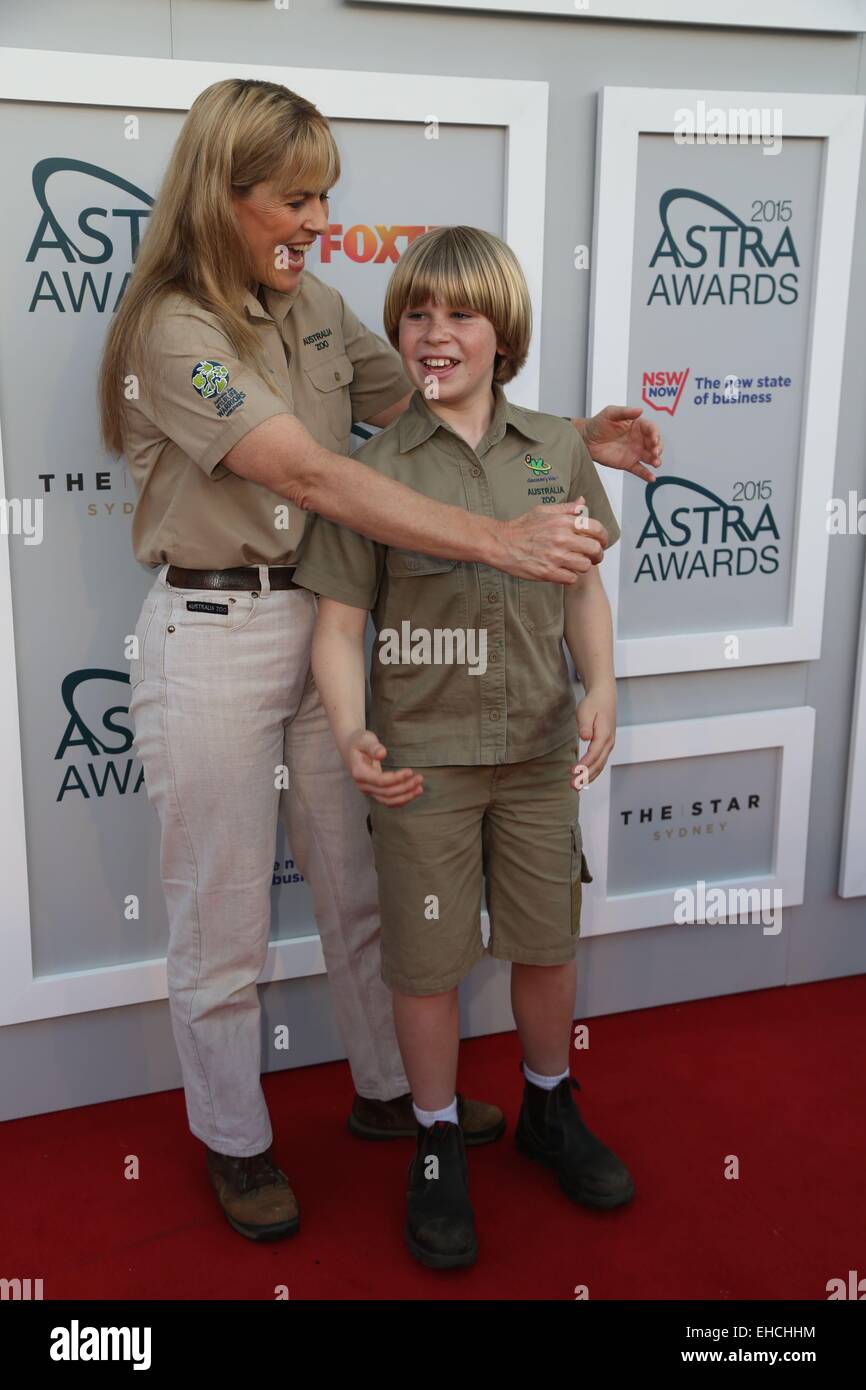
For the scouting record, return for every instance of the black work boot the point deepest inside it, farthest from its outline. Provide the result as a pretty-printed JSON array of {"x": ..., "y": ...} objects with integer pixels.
[
  {"x": 551, "y": 1131},
  {"x": 440, "y": 1225}
]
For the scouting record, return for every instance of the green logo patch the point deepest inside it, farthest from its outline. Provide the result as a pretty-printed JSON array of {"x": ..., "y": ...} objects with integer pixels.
[
  {"x": 210, "y": 378},
  {"x": 538, "y": 465}
]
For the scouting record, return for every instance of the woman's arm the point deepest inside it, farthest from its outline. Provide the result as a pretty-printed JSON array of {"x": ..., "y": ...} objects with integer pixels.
[
  {"x": 338, "y": 670},
  {"x": 393, "y": 412},
  {"x": 282, "y": 455}
]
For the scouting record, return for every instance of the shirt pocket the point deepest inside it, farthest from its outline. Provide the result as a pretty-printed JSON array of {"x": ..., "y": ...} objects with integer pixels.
[
  {"x": 541, "y": 606},
  {"x": 443, "y": 595},
  {"x": 405, "y": 564},
  {"x": 331, "y": 380}
]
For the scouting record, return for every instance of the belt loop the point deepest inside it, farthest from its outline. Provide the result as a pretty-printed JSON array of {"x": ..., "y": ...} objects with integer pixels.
[
  {"x": 160, "y": 578},
  {"x": 264, "y": 581}
]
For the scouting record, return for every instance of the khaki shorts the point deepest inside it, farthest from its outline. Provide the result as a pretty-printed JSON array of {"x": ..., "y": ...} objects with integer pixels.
[{"x": 513, "y": 827}]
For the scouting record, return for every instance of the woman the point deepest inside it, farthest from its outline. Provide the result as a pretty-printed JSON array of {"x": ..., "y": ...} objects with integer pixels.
[{"x": 235, "y": 424}]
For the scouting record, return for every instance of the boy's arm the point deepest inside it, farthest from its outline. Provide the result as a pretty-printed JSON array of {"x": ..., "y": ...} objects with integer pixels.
[
  {"x": 589, "y": 630},
  {"x": 338, "y": 670},
  {"x": 589, "y": 638}
]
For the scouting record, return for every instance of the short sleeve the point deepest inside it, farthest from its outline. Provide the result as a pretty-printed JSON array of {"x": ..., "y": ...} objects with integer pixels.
[
  {"x": 203, "y": 397},
  {"x": 340, "y": 564},
  {"x": 379, "y": 379},
  {"x": 586, "y": 483}
]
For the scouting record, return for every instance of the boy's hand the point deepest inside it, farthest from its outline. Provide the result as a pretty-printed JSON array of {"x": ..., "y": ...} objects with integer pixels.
[
  {"x": 363, "y": 759},
  {"x": 596, "y": 721}
]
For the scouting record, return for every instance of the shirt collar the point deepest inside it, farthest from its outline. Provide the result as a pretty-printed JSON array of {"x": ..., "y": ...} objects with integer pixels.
[
  {"x": 276, "y": 303},
  {"x": 419, "y": 422}
]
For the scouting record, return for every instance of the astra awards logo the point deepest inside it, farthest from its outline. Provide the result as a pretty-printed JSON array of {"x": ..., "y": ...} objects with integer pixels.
[
  {"x": 662, "y": 390},
  {"x": 691, "y": 533},
  {"x": 102, "y": 224},
  {"x": 706, "y": 254},
  {"x": 96, "y": 741},
  {"x": 90, "y": 236}
]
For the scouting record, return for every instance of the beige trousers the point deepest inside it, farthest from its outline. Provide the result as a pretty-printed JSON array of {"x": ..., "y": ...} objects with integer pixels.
[{"x": 222, "y": 697}]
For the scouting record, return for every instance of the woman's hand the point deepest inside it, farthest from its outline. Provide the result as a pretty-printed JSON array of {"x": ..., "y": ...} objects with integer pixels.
[
  {"x": 556, "y": 543},
  {"x": 363, "y": 759},
  {"x": 596, "y": 721},
  {"x": 620, "y": 436}
]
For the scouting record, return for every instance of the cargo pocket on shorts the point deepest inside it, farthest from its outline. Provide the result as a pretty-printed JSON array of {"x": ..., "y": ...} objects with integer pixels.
[{"x": 579, "y": 875}]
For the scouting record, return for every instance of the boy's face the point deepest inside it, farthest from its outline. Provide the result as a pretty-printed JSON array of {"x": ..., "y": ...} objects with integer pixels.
[{"x": 451, "y": 343}]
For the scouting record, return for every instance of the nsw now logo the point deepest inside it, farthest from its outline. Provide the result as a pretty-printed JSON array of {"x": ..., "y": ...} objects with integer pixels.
[{"x": 662, "y": 390}]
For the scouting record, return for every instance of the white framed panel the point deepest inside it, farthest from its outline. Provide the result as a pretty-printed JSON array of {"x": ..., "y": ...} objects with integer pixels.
[
  {"x": 698, "y": 802},
  {"x": 852, "y": 872},
  {"x": 842, "y": 15},
  {"x": 829, "y": 131},
  {"x": 55, "y": 80}
]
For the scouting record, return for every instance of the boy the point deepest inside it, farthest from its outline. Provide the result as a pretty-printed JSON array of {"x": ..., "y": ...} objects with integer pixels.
[{"x": 470, "y": 685}]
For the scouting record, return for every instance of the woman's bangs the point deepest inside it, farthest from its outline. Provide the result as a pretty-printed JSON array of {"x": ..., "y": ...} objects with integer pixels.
[{"x": 312, "y": 161}]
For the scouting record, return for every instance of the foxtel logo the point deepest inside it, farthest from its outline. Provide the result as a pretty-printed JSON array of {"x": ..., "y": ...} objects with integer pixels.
[
  {"x": 662, "y": 390},
  {"x": 362, "y": 243}
]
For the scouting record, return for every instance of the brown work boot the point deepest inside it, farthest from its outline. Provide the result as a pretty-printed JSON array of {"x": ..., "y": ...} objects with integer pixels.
[
  {"x": 395, "y": 1119},
  {"x": 254, "y": 1194}
]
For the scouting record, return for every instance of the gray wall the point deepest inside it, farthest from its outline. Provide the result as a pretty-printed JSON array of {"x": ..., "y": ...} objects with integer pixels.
[{"x": 119, "y": 1052}]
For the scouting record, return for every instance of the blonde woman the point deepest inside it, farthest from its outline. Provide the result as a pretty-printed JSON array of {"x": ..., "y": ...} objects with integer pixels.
[{"x": 235, "y": 424}]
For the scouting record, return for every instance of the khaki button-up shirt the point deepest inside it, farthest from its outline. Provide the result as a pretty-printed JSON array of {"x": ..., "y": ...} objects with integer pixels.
[
  {"x": 325, "y": 367},
  {"x": 428, "y": 707}
]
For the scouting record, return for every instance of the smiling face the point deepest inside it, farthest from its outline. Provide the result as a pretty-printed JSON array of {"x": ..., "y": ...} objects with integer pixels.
[
  {"x": 279, "y": 226},
  {"x": 451, "y": 343}
]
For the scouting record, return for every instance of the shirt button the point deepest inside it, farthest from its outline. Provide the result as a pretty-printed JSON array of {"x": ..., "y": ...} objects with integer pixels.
[
  {"x": 170, "y": 627},
  {"x": 336, "y": 376},
  {"x": 492, "y": 657},
  {"x": 494, "y": 715},
  {"x": 476, "y": 472},
  {"x": 492, "y": 598}
]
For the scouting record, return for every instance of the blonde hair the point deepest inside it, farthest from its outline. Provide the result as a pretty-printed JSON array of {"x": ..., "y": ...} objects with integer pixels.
[
  {"x": 468, "y": 268},
  {"x": 239, "y": 132}
]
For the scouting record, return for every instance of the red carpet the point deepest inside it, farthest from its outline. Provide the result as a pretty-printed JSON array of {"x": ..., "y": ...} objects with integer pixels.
[{"x": 775, "y": 1077}]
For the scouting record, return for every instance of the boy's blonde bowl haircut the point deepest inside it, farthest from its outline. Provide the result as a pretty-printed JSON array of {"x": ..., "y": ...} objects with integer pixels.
[{"x": 468, "y": 269}]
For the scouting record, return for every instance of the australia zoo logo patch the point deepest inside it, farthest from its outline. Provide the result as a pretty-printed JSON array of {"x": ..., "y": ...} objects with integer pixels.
[{"x": 538, "y": 465}]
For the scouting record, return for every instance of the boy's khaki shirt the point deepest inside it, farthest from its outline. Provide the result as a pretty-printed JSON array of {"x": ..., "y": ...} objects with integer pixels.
[
  {"x": 328, "y": 370},
  {"x": 522, "y": 706}
]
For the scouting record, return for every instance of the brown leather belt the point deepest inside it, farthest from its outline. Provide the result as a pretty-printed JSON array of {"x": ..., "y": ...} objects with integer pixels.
[{"x": 242, "y": 577}]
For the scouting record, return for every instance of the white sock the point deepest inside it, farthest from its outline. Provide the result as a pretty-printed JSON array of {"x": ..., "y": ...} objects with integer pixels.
[
  {"x": 429, "y": 1117},
  {"x": 547, "y": 1083}
]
